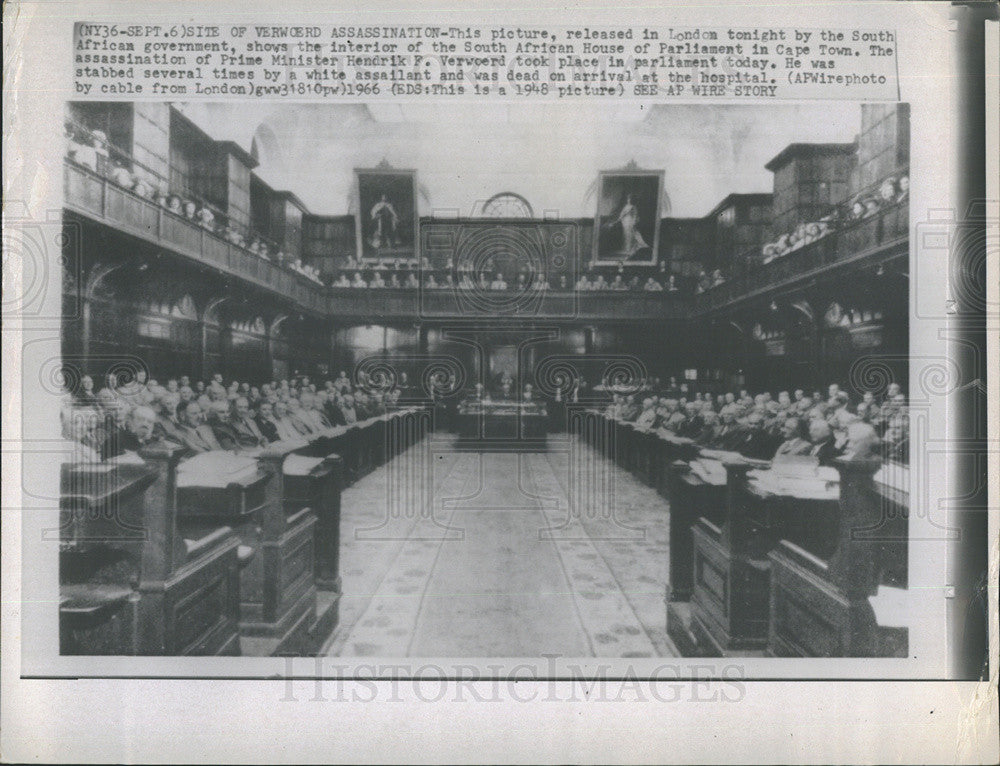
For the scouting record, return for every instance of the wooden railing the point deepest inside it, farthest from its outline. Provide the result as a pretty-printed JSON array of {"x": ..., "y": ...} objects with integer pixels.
[
  {"x": 100, "y": 199},
  {"x": 453, "y": 302},
  {"x": 853, "y": 241}
]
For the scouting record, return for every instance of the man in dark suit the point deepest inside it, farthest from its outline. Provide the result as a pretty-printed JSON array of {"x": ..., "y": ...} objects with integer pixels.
[
  {"x": 111, "y": 436},
  {"x": 242, "y": 432},
  {"x": 331, "y": 408},
  {"x": 265, "y": 422},
  {"x": 822, "y": 442},
  {"x": 141, "y": 428}
]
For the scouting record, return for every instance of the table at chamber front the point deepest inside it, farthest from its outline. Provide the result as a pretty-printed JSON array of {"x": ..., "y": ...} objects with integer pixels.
[{"x": 486, "y": 422}]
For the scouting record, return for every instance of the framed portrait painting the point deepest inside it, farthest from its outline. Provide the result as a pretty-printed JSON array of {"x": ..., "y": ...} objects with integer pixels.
[
  {"x": 627, "y": 225},
  {"x": 386, "y": 218}
]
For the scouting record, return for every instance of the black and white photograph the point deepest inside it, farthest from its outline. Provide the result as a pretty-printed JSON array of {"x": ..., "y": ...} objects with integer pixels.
[{"x": 495, "y": 448}]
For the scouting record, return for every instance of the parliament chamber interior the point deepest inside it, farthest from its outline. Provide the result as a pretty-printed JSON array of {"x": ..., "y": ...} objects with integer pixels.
[{"x": 410, "y": 427}]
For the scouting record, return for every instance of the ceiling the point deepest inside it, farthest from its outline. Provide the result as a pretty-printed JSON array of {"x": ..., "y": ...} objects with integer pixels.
[{"x": 548, "y": 153}]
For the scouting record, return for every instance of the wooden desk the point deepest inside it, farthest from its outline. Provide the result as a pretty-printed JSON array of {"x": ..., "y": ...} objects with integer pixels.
[
  {"x": 820, "y": 592},
  {"x": 277, "y": 594},
  {"x": 731, "y": 597},
  {"x": 487, "y": 424},
  {"x": 157, "y": 585}
]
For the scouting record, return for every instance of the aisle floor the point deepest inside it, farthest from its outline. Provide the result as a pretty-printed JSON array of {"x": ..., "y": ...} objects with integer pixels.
[{"x": 446, "y": 553}]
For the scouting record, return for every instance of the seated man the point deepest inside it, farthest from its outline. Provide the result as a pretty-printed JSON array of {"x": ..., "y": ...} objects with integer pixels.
[
  {"x": 286, "y": 426},
  {"x": 242, "y": 432},
  {"x": 166, "y": 422},
  {"x": 753, "y": 441},
  {"x": 794, "y": 445},
  {"x": 821, "y": 440},
  {"x": 498, "y": 283},
  {"x": 111, "y": 436},
  {"x": 141, "y": 429},
  {"x": 648, "y": 417},
  {"x": 709, "y": 427},
  {"x": 631, "y": 410},
  {"x": 266, "y": 423},
  {"x": 311, "y": 412},
  {"x": 78, "y": 426},
  {"x": 613, "y": 410},
  {"x": 347, "y": 411},
  {"x": 361, "y": 405},
  {"x": 328, "y": 403},
  {"x": 377, "y": 404},
  {"x": 652, "y": 285},
  {"x": 377, "y": 280},
  {"x": 862, "y": 442},
  {"x": 192, "y": 429}
]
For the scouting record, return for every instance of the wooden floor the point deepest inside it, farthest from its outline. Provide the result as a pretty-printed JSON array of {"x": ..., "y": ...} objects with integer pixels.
[{"x": 476, "y": 554}]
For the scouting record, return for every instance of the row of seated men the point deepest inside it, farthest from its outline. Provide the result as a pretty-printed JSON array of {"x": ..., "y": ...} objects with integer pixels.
[
  {"x": 765, "y": 427},
  {"x": 210, "y": 416},
  {"x": 92, "y": 150}
]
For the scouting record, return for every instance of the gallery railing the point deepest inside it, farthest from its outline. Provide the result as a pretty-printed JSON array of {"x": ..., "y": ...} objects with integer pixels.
[
  {"x": 853, "y": 241},
  {"x": 455, "y": 302},
  {"x": 98, "y": 198}
]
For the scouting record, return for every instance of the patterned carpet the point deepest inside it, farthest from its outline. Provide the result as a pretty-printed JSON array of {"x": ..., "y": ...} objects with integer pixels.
[{"x": 462, "y": 554}]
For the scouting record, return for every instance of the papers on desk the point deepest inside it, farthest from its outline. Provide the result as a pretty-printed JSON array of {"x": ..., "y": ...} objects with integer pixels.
[
  {"x": 802, "y": 479},
  {"x": 300, "y": 465},
  {"x": 709, "y": 471},
  {"x": 127, "y": 458},
  {"x": 723, "y": 456},
  {"x": 215, "y": 469},
  {"x": 673, "y": 438},
  {"x": 284, "y": 445}
]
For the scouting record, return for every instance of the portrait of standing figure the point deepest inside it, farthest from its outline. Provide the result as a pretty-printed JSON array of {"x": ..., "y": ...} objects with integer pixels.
[
  {"x": 627, "y": 224},
  {"x": 385, "y": 214}
]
